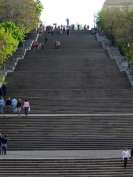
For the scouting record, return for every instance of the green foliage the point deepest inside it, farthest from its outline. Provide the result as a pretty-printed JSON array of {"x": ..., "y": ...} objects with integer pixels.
[
  {"x": 39, "y": 7},
  {"x": 2, "y": 79},
  {"x": 17, "y": 17},
  {"x": 118, "y": 26},
  {"x": 10, "y": 36},
  {"x": 24, "y": 13},
  {"x": 16, "y": 32},
  {"x": 7, "y": 45}
]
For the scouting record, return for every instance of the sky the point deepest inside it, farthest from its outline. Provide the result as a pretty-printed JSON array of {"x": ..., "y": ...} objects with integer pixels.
[{"x": 78, "y": 11}]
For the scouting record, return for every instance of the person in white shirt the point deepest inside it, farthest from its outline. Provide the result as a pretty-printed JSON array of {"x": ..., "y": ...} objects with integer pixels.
[{"x": 125, "y": 157}]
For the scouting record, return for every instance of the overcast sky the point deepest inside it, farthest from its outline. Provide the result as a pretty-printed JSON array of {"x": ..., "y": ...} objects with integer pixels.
[{"x": 78, "y": 11}]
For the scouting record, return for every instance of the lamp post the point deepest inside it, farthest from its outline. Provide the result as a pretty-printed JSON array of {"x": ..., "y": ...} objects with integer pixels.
[
  {"x": 67, "y": 21},
  {"x": 94, "y": 21}
]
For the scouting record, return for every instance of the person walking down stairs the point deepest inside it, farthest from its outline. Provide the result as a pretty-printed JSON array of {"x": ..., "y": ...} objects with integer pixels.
[
  {"x": 4, "y": 90},
  {"x": 131, "y": 153},
  {"x": 26, "y": 107},
  {"x": 3, "y": 145},
  {"x": 19, "y": 106},
  {"x": 125, "y": 157}
]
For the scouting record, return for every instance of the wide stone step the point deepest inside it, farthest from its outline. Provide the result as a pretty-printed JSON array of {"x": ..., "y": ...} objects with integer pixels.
[
  {"x": 73, "y": 109},
  {"x": 68, "y": 132},
  {"x": 71, "y": 167},
  {"x": 61, "y": 144}
]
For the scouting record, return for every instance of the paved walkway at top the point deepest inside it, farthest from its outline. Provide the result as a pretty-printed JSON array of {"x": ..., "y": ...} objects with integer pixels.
[{"x": 63, "y": 154}]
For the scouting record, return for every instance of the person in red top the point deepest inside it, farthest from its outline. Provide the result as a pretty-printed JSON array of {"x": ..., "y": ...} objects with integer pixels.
[{"x": 26, "y": 106}]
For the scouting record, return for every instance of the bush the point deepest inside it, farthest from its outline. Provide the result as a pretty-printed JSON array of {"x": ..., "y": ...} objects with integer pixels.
[
  {"x": 17, "y": 18},
  {"x": 16, "y": 32},
  {"x": 8, "y": 45},
  {"x": 24, "y": 13},
  {"x": 118, "y": 26}
]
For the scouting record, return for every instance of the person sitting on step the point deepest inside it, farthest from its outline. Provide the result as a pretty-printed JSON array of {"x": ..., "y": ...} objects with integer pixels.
[
  {"x": 57, "y": 44},
  {"x": 35, "y": 45}
]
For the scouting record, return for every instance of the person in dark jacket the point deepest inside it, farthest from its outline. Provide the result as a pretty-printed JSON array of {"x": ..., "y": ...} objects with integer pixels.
[
  {"x": 1, "y": 94},
  {"x": 131, "y": 153},
  {"x": 3, "y": 145},
  {"x": 19, "y": 106},
  {"x": 8, "y": 104},
  {"x": 4, "y": 90}
]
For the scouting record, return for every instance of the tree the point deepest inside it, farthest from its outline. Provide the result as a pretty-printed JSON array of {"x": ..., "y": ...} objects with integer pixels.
[
  {"x": 8, "y": 45},
  {"x": 118, "y": 25},
  {"x": 17, "y": 17},
  {"x": 25, "y": 13},
  {"x": 16, "y": 32}
]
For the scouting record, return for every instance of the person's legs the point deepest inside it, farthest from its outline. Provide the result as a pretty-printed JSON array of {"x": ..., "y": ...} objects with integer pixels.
[
  {"x": 14, "y": 109},
  {"x": 19, "y": 110},
  {"x": 8, "y": 108},
  {"x": 125, "y": 162},
  {"x": 2, "y": 149},
  {"x": 1, "y": 109},
  {"x": 26, "y": 110},
  {"x": 5, "y": 149},
  {"x": 131, "y": 153}
]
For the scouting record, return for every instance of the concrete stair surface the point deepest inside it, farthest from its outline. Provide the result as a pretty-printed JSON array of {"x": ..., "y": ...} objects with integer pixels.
[
  {"x": 78, "y": 78},
  {"x": 68, "y": 133},
  {"x": 65, "y": 168}
]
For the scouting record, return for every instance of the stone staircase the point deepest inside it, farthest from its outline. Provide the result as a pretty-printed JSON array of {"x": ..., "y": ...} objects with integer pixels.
[
  {"x": 79, "y": 78},
  {"x": 68, "y": 132},
  {"x": 65, "y": 168}
]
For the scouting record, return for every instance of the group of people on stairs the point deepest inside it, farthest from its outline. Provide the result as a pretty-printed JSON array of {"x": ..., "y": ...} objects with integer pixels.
[
  {"x": 14, "y": 105},
  {"x": 60, "y": 30}
]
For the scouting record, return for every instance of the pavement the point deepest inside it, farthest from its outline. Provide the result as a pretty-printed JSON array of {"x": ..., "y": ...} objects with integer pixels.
[
  {"x": 69, "y": 115},
  {"x": 63, "y": 154}
]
